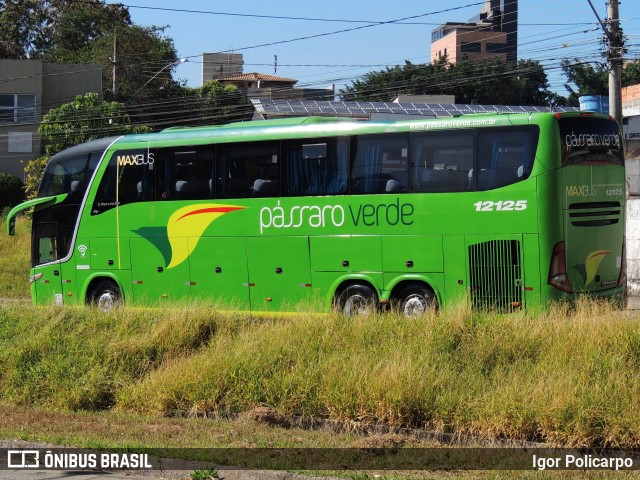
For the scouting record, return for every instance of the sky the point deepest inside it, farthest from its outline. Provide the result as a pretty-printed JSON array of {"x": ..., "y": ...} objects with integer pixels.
[{"x": 338, "y": 41}]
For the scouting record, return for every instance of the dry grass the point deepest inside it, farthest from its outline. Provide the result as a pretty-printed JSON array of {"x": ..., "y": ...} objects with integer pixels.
[
  {"x": 15, "y": 260},
  {"x": 568, "y": 377}
]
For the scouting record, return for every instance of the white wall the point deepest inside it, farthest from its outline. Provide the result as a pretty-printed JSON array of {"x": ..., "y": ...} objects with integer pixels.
[{"x": 633, "y": 245}]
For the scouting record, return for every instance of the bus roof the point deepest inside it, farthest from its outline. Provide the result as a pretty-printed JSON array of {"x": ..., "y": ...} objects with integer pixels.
[
  {"x": 309, "y": 127},
  {"x": 98, "y": 145},
  {"x": 278, "y": 122}
]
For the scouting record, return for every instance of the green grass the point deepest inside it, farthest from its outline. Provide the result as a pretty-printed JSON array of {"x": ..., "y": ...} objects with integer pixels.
[
  {"x": 569, "y": 378},
  {"x": 15, "y": 259}
]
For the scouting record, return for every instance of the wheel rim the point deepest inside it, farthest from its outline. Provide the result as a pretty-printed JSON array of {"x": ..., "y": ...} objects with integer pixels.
[
  {"x": 106, "y": 301},
  {"x": 414, "y": 306},
  {"x": 357, "y": 305}
]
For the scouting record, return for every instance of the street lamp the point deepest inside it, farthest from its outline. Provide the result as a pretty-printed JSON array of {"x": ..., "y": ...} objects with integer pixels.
[{"x": 177, "y": 62}]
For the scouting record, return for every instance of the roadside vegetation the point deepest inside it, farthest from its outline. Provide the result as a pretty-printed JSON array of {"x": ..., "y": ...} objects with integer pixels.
[
  {"x": 565, "y": 377},
  {"x": 14, "y": 259}
]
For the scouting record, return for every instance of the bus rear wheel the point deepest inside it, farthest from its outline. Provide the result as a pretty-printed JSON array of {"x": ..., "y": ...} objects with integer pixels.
[
  {"x": 357, "y": 300},
  {"x": 415, "y": 300},
  {"x": 106, "y": 296}
]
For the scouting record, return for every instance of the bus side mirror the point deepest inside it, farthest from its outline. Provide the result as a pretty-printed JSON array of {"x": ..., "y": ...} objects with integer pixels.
[{"x": 11, "y": 229}]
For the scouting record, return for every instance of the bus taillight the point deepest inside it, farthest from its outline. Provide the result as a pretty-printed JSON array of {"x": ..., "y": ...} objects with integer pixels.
[
  {"x": 558, "y": 269},
  {"x": 622, "y": 279}
]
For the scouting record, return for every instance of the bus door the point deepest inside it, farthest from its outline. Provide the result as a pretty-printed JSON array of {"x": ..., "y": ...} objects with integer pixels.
[
  {"x": 455, "y": 269},
  {"x": 48, "y": 276},
  {"x": 279, "y": 273},
  {"x": 496, "y": 273},
  {"x": 152, "y": 280},
  {"x": 219, "y": 272}
]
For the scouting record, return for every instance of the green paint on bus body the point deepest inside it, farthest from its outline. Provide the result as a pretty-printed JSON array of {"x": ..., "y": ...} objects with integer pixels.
[{"x": 503, "y": 210}]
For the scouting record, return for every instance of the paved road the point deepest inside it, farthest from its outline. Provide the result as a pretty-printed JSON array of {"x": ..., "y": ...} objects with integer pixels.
[
  {"x": 168, "y": 469},
  {"x": 149, "y": 475}
]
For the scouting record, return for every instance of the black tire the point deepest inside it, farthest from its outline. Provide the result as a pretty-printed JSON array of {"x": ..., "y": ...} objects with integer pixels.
[
  {"x": 356, "y": 300},
  {"x": 105, "y": 296},
  {"x": 415, "y": 300}
]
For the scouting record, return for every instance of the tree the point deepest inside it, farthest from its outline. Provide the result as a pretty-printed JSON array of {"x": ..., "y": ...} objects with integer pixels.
[
  {"x": 69, "y": 31},
  {"x": 37, "y": 28},
  {"x": 593, "y": 79},
  {"x": 210, "y": 104},
  {"x": 143, "y": 59},
  {"x": 522, "y": 83},
  {"x": 85, "y": 118},
  {"x": 385, "y": 85},
  {"x": 219, "y": 104},
  {"x": 631, "y": 74},
  {"x": 21, "y": 22},
  {"x": 76, "y": 28},
  {"x": 585, "y": 79}
]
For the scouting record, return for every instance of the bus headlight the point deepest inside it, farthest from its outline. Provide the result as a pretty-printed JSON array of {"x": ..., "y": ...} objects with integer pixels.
[{"x": 34, "y": 278}]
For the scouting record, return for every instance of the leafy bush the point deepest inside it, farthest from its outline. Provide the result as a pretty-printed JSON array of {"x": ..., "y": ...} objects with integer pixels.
[
  {"x": 11, "y": 191},
  {"x": 33, "y": 170}
]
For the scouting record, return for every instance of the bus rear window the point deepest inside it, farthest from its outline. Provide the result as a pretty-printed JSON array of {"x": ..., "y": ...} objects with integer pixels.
[{"x": 590, "y": 141}]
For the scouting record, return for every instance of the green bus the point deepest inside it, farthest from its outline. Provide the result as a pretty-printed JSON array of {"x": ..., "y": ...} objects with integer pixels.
[{"x": 503, "y": 210}]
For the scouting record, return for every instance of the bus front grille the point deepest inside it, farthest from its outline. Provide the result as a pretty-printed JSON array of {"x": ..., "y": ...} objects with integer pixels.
[
  {"x": 594, "y": 214},
  {"x": 495, "y": 274}
]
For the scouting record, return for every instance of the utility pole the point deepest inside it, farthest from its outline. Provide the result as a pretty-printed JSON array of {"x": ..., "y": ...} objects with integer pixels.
[
  {"x": 114, "y": 62},
  {"x": 614, "y": 56},
  {"x": 613, "y": 34}
]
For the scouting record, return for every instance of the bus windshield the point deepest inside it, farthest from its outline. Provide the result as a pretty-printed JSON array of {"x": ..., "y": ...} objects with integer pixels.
[{"x": 69, "y": 175}]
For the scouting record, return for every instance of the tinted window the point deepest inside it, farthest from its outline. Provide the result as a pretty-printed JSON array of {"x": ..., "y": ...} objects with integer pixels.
[
  {"x": 184, "y": 173},
  {"x": 247, "y": 170},
  {"x": 19, "y": 108},
  {"x": 380, "y": 164},
  {"x": 130, "y": 177},
  {"x": 315, "y": 168},
  {"x": 504, "y": 156},
  {"x": 470, "y": 47},
  {"x": 590, "y": 140},
  {"x": 442, "y": 162},
  {"x": 69, "y": 175}
]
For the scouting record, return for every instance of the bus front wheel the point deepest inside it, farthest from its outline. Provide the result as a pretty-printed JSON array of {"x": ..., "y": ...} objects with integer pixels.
[
  {"x": 106, "y": 296},
  {"x": 416, "y": 300},
  {"x": 356, "y": 300}
]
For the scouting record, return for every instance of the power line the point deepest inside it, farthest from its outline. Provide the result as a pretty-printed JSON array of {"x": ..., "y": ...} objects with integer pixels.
[{"x": 312, "y": 19}]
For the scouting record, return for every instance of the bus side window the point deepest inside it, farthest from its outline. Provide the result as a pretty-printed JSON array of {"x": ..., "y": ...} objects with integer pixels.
[
  {"x": 247, "y": 170},
  {"x": 315, "y": 168},
  {"x": 380, "y": 164},
  {"x": 125, "y": 181},
  {"x": 188, "y": 173},
  {"x": 442, "y": 162},
  {"x": 504, "y": 157}
]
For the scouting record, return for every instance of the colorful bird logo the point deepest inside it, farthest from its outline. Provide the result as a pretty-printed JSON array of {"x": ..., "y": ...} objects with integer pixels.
[
  {"x": 189, "y": 222},
  {"x": 592, "y": 263}
]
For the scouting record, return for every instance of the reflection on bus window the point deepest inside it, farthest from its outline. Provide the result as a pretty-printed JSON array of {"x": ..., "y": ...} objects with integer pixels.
[
  {"x": 319, "y": 168},
  {"x": 504, "y": 157},
  {"x": 126, "y": 180},
  {"x": 187, "y": 173},
  {"x": 380, "y": 164},
  {"x": 249, "y": 170},
  {"x": 69, "y": 175},
  {"x": 442, "y": 162}
]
